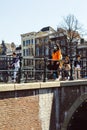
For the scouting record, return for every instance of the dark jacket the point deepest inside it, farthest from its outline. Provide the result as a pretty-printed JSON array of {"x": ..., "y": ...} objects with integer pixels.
[{"x": 77, "y": 62}]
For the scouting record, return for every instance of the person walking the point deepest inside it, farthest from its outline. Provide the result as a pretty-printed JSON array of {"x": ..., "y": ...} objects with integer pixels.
[{"x": 16, "y": 66}]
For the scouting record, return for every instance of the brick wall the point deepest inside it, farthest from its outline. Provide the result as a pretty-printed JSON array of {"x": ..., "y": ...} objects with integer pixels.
[
  {"x": 20, "y": 112},
  {"x": 40, "y": 106},
  {"x": 26, "y": 109}
]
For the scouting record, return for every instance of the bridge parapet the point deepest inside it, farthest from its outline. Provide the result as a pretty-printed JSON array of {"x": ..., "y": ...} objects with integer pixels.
[
  {"x": 40, "y": 105},
  {"x": 38, "y": 85}
]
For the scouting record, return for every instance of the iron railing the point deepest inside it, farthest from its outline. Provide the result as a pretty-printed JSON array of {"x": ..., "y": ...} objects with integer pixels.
[{"x": 33, "y": 70}]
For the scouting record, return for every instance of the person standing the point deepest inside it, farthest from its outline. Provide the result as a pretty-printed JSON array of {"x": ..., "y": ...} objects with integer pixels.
[
  {"x": 77, "y": 65},
  {"x": 67, "y": 68},
  {"x": 56, "y": 57}
]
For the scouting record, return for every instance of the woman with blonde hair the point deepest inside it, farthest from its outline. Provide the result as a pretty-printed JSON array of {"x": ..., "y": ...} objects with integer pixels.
[{"x": 67, "y": 68}]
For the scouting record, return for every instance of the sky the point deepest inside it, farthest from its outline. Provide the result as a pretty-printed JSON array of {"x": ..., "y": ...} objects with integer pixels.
[{"x": 23, "y": 16}]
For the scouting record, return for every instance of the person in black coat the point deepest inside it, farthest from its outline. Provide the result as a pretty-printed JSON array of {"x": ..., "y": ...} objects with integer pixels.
[{"x": 77, "y": 66}]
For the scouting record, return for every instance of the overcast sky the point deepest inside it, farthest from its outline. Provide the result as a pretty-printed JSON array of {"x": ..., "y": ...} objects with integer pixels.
[{"x": 23, "y": 16}]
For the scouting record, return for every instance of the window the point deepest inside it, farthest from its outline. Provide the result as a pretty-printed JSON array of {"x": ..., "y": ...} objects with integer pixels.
[
  {"x": 46, "y": 39},
  {"x": 62, "y": 42},
  {"x": 27, "y": 52},
  {"x": 47, "y": 51},
  {"x": 32, "y": 41},
  {"x": 24, "y": 43},
  {"x": 24, "y": 52},
  {"x": 27, "y": 42},
  {"x": 42, "y": 50},
  {"x": 37, "y": 51}
]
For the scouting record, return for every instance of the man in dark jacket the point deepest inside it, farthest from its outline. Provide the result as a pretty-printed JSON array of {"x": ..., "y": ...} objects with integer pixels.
[{"x": 77, "y": 65}]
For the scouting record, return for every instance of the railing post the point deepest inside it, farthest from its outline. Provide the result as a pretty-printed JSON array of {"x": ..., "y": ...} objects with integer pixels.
[
  {"x": 71, "y": 70},
  {"x": 20, "y": 70},
  {"x": 44, "y": 76}
]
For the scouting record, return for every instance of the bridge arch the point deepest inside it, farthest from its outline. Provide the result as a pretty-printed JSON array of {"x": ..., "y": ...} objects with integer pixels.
[{"x": 74, "y": 114}]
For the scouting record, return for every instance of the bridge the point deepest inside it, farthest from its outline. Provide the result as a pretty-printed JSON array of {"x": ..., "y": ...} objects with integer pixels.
[{"x": 54, "y": 105}]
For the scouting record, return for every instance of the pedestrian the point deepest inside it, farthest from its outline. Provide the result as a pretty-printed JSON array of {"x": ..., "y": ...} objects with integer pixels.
[
  {"x": 56, "y": 58},
  {"x": 77, "y": 67},
  {"x": 67, "y": 68},
  {"x": 16, "y": 66}
]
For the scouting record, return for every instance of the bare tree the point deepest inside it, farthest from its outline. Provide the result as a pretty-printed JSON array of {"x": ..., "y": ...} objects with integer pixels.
[{"x": 71, "y": 28}]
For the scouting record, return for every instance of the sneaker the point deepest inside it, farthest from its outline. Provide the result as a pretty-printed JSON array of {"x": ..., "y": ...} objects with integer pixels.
[
  {"x": 68, "y": 77},
  {"x": 14, "y": 81},
  {"x": 57, "y": 79},
  {"x": 60, "y": 77}
]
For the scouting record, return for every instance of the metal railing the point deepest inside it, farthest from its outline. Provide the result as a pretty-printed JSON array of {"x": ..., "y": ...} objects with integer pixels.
[{"x": 33, "y": 70}]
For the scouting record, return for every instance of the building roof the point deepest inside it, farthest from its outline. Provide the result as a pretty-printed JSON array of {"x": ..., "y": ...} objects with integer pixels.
[
  {"x": 48, "y": 28},
  {"x": 45, "y": 29},
  {"x": 80, "y": 46},
  {"x": 27, "y": 34},
  {"x": 45, "y": 32}
]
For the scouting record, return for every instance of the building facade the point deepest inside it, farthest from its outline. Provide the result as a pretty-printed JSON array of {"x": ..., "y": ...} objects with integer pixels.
[{"x": 35, "y": 45}]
